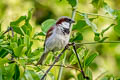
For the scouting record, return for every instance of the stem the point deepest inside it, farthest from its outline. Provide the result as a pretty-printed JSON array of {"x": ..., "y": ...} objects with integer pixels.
[
  {"x": 97, "y": 42},
  {"x": 95, "y": 15},
  {"x": 57, "y": 58},
  {"x": 9, "y": 29},
  {"x": 73, "y": 15},
  {"x": 61, "y": 68},
  {"x": 82, "y": 71},
  {"x": 66, "y": 66}
]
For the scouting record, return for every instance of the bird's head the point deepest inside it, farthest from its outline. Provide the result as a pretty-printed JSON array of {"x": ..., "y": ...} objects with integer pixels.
[{"x": 64, "y": 20}]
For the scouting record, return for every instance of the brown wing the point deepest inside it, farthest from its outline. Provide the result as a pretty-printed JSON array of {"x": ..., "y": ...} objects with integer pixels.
[{"x": 49, "y": 33}]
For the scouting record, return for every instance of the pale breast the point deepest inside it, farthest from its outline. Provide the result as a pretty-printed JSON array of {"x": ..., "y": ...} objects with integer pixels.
[{"x": 57, "y": 41}]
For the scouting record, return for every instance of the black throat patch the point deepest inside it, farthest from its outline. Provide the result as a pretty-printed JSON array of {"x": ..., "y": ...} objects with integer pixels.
[{"x": 66, "y": 31}]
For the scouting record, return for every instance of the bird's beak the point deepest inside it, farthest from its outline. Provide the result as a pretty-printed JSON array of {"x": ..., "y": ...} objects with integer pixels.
[{"x": 72, "y": 21}]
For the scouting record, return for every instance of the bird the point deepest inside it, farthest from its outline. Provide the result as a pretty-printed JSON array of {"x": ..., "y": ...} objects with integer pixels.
[{"x": 57, "y": 37}]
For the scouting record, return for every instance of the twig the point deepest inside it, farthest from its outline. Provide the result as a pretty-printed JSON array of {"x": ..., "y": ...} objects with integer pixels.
[
  {"x": 61, "y": 68},
  {"x": 66, "y": 66},
  {"x": 82, "y": 71},
  {"x": 73, "y": 44},
  {"x": 97, "y": 42},
  {"x": 73, "y": 15},
  {"x": 57, "y": 58},
  {"x": 9, "y": 29},
  {"x": 95, "y": 15}
]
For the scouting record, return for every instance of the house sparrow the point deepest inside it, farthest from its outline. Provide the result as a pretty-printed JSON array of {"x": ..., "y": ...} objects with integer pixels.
[{"x": 57, "y": 36}]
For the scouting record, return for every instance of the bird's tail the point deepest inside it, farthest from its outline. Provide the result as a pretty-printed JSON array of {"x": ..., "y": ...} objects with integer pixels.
[{"x": 44, "y": 55}]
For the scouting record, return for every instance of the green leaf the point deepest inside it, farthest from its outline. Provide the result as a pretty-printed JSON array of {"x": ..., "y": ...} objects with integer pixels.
[
  {"x": 18, "y": 30},
  {"x": 97, "y": 37},
  {"x": 38, "y": 34},
  {"x": 29, "y": 16},
  {"x": 13, "y": 44},
  {"x": 28, "y": 75},
  {"x": 0, "y": 27},
  {"x": 47, "y": 24},
  {"x": 17, "y": 72},
  {"x": 51, "y": 75},
  {"x": 105, "y": 78},
  {"x": 10, "y": 71},
  {"x": 109, "y": 77},
  {"x": 90, "y": 59},
  {"x": 117, "y": 16},
  {"x": 80, "y": 76},
  {"x": 3, "y": 45},
  {"x": 3, "y": 61},
  {"x": 117, "y": 29},
  {"x": 104, "y": 30},
  {"x": 63, "y": 56},
  {"x": 89, "y": 73},
  {"x": 18, "y": 51},
  {"x": 1, "y": 74},
  {"x": 103, "y": 39},
  {"x": 15, "y": 38},
  {"x": 79, "y": 26},
  {"x": 30, "y": 47},
  {"x": 48, "y": 59},
  {"x": 98, "y": 3},
  {"x": 21, "y": 70},
  {"x": 86, "y": 52},
  {"x": 27, "y": 40},
  {"x": 34, "y": 75},
  {"x": 109, "y": 10},
  {"x": 16, "y": 23},
  {"x": 92, "y": 25},
  {"x": 1, "y": 40},
  {"x": 36, "y": 52},
  {"x": 73, "y": 3},
  {"x": 27, "y": 28},
  {"x": 73, "y": 59},
  {"x": 78, "y": 37},
  {"x": 3, "y": 53}
]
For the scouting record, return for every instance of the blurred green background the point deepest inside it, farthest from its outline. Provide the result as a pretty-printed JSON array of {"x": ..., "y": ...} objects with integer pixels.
[{"x": 108, "y": 60}]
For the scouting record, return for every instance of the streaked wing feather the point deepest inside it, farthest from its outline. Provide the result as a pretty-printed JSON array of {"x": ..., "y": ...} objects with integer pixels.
[{"x": 49, "y": 33}]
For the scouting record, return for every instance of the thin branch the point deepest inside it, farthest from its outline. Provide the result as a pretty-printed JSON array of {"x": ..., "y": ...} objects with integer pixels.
[
  {"x": 97, "y": 42},
  {"x": 9, "y": 29},
  {"x": 56, "y": 60},
  {"x": 73, "y": 15},
  {"x": 82, "y": 71},
  {"x": 65, "y": 66},
  {"x": 95, "y": 15},
  {"x": 61, "y": 68}
]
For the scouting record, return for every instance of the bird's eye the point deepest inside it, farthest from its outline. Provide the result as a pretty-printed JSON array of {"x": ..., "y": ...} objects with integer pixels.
[{"x": 68, "y": 20}]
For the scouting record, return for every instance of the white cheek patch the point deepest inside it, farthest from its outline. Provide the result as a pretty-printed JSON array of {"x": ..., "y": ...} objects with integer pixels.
[{"x": 65, "y": 24}]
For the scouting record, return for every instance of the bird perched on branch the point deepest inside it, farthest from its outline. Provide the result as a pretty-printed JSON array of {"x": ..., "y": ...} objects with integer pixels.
[{"x": 57, "y": 37}]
